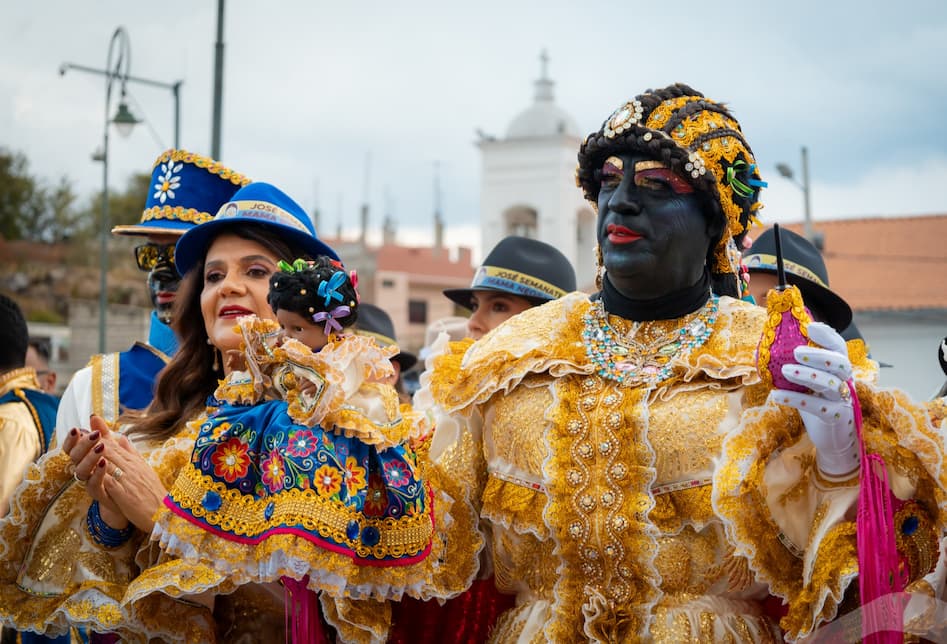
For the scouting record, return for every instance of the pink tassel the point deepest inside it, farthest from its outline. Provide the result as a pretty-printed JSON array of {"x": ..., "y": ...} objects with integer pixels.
[
  {"x": 303, "y": 621},
  {"x": 878, "y": 563}
]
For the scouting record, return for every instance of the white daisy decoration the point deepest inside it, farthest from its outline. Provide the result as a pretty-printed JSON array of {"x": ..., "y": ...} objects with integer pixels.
[{"x": 168, "y": 182}]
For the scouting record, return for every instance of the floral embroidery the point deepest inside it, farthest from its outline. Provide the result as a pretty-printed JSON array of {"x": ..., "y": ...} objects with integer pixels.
[
  {"x": 397, "y": 474},
  {"x": 377, "y": 499},
  {"x": 327, "y": 480},
  {"x": 273, "y": 472},
  {"x": 302, "y": 443},
  {"x": 221, "y": 429},
  {"x": 354, "y": 476},
  {"x": 230, "y": 460},
  {"x": 169, "y": 182}
]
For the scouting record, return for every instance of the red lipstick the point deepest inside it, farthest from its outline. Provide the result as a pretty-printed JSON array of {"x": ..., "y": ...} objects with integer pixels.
[
  {"x": 621, "y": 235},
  {"x": 232, "y": 311}
]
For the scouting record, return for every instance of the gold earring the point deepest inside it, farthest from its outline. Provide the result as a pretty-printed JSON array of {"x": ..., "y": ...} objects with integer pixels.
[
  {"x": 599, "y": 268},
  {"x": 216, "y": 364}
]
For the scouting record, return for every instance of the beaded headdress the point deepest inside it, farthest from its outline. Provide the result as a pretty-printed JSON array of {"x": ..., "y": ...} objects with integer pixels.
[{"x": 696, "y": 137}]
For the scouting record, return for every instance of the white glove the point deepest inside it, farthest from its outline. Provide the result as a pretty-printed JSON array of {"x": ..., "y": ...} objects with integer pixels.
[{"x": 827, "y": 411}]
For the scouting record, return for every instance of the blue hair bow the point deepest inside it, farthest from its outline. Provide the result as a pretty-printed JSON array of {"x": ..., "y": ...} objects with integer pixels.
[{"x": 329, "y": 290}]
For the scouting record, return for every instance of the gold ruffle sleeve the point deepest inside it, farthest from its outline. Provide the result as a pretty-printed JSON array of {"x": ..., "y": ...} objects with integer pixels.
[
  {"x": 864, "y": 368},
  {"x": 522, "y": 345},
  {"x": 767, "y": 484},
  {"x": 453, "y": 462},
  {"x": 53, "y": 576}
]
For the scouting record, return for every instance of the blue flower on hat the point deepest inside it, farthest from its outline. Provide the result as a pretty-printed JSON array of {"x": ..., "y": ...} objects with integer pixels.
[{"x": 168, "y": 182}]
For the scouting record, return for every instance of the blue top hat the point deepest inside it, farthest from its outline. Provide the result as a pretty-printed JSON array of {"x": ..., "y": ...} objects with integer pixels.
[
  {"x": 258, "y": 203},
  {"x": 186, "y": 190}
]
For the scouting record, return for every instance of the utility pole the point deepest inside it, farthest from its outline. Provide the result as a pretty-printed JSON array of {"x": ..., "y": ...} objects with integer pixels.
[
  {"x": 438, "y": 220},
  {"x": 807, "y": 226},
  {"x": 218, "y": 82}
]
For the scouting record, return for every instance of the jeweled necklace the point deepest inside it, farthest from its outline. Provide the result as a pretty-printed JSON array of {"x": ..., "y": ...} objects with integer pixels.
[{"x": 631, "y": 362}]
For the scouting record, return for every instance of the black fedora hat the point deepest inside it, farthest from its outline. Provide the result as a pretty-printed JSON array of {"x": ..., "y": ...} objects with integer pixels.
[
  {"x": 942, "y": 355},
  {"x": 805, "y": 268},
  {"x": 520, "y": 266},
  {"x": 375, "y": 323}
]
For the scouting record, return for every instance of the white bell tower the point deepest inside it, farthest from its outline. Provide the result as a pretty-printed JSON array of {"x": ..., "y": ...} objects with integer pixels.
[{"x": 527, "y": 182}]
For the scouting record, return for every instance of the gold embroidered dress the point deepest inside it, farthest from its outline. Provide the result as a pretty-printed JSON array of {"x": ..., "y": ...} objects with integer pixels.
[
  {"x": 663, "y": 512},
  {"x": 53, "y": 575}
]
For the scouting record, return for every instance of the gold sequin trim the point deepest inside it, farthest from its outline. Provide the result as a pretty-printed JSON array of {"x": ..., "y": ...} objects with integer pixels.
[{"x": 206, "y": 163}]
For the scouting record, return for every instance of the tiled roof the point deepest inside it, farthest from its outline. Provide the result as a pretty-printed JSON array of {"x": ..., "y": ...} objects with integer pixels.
[
  {"x": 424, "y": 261},
  {"x": 886, "y": 263}
]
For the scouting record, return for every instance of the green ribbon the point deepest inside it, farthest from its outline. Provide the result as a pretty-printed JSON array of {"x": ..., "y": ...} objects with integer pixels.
[
  {"x": 297, "y": 266},
  {"x": 738, "y": 186}
]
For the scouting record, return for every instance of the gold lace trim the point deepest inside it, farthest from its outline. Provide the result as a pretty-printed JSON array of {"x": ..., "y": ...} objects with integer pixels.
[
  {"x": 458, "y": 481},
  {"x": 836, "y": 564},
  {"x": 515, "y": 507},
  {"x": 598, "y": 511},
  {"x": 226, "y": 564},
  {"x": 673, "y": 510},
  {"x": 739, "y": 501}
]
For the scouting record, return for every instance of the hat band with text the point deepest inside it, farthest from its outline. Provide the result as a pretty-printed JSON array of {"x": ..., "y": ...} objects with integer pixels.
[
  {"x": 260, "y": 210},
  {"x": 769, "y": 263},
  {"x": 504, "y": 279}
]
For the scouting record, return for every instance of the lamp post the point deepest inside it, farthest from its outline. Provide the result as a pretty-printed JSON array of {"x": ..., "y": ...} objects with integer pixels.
[
  {"x": 786, "y": 171},
  {"x": 175, "y": 88},
  {"x": 116, "y": 65}
]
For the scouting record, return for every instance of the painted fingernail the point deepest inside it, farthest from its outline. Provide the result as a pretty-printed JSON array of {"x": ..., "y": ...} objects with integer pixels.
[
  {"x": 98, "y": 448},
  {"x": 94, "y": 436},
  {"x": 73, "y": 432},
  {"x": 101, "y": 462}
]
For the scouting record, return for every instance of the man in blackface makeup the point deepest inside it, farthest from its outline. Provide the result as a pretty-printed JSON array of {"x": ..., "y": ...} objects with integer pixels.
[{"x": 186, "y": 190}]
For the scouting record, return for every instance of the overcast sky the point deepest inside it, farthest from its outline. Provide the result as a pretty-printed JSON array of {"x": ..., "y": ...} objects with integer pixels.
[{"x": 313, "y": 89}]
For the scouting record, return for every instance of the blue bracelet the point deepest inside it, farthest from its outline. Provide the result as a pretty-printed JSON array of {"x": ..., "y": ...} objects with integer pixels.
[{"x": 104, "y": 534}]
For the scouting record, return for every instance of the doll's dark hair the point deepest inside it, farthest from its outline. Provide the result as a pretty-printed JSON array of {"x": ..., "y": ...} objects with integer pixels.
[{"x": 318, "y": 286}]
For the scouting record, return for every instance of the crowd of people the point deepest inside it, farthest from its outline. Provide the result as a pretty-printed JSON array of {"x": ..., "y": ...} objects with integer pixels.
[{"x": 693, "y": 452}]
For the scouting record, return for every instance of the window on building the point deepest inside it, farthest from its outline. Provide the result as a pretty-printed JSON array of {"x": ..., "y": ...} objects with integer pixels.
[
  {"x": 388, "y": 283},
  {"x": 417, "y": 311},
  {"x": 522, "y": 221}
]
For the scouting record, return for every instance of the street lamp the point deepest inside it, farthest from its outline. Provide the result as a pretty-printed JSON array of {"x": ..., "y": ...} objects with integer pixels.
[
  {"x": 175, "y": 88},
  {"x": 786, "y": 171},
  {"x": 120, "y": 53}
]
